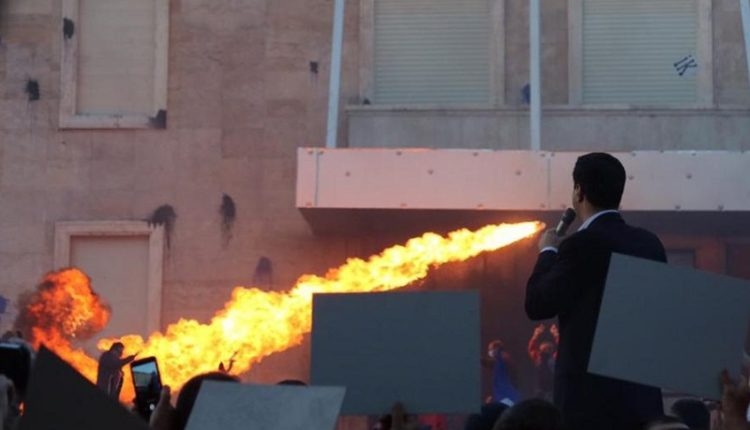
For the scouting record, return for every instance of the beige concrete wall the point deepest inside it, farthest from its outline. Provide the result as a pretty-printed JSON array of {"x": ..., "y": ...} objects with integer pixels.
[
  {"x": 553, "y": 52},
  {"x": 563, "y": 128},
  {"x": 730, "y": 75},
  {"x": 730, "y": 67},
  {"x": 241, "y": 99},
  {"x": 722, "y": 125}
]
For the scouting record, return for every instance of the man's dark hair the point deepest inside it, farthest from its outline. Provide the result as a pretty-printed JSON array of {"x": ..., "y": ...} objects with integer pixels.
[
  {"x": 532, "y": 414},
  {"x": 116, "y": 345},
  {"x": 692, "y": 412},
  {"x": 189, "y": 393},
  {"x": 601, "y": 178}
]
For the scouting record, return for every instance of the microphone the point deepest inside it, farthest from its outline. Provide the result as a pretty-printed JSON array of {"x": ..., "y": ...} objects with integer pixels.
[{"x": 567, "y": 218}]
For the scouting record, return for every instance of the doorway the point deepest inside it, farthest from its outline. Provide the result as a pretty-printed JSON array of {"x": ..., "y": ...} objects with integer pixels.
[{"x": 124, "y": 261}]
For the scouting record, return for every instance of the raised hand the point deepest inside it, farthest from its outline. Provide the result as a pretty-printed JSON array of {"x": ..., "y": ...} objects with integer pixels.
[
  {"x": 163, "y": 415},
  {"x": 549, "y": 238}
]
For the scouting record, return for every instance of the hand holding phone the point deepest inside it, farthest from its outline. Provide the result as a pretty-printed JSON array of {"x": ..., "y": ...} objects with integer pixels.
[{"x": 147, "y": 383}]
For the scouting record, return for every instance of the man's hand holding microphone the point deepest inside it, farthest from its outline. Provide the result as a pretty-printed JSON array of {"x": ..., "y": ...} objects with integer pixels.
[{"x": 552, "y": 237}]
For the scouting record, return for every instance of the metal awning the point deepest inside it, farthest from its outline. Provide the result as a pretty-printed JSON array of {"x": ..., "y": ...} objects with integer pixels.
[{"x": 692, "y": 187}]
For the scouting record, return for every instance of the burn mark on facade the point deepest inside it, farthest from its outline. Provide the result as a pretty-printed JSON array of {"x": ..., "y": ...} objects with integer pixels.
[
  {"x": 69, "y": 28},
  {"x": 263, "y": 276},
  {"x": 166, "y": 216},
  {"x": 159, "y": 120},
  {"x": 32, "y": 89},
  {"x": 228, "y": 212}
]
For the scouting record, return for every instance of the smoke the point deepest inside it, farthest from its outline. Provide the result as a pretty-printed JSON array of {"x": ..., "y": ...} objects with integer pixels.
[{"x": 63, "y": 308}]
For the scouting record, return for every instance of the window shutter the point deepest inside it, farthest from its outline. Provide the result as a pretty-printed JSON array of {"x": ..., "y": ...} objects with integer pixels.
[
  {"x": 635, "y": 50},
  {"x": 432, "y": 51},
  {"x": 116, "y": 57}
]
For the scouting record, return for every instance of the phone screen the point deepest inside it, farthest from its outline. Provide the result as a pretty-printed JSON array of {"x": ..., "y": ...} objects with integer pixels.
[{"x": 147, "y": 382}]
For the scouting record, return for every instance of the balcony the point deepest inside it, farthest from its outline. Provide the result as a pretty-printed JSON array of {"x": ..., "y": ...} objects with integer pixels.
[
  {"x": 377, "y": 188},
  {"x": 564, "y": 128}
]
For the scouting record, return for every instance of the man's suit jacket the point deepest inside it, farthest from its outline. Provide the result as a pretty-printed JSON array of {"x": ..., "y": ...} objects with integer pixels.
[{"x": 569, "y": 285}]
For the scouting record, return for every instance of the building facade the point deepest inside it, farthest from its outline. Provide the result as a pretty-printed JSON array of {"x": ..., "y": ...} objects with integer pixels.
[{"x": 168, "y": 133}]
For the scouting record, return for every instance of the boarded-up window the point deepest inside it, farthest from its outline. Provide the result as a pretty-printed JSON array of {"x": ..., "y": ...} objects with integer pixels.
[
  {"x": 432, "y": 51},
  {"x": 124, "y": 260},
  {"x": 114, "y": 63},
  {"x": 640, "y": 52}
]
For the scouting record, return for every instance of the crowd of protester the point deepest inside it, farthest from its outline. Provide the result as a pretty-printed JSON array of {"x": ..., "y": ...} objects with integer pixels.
[{"x": 535, "y": 413}]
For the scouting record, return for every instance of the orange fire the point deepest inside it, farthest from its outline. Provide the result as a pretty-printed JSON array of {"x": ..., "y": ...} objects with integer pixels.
[
  {"x": 62, "y": 309},
  {"x": 256, "y": 323}
]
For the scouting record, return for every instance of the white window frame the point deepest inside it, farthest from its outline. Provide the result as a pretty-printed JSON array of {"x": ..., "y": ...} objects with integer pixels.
[
  {"x": 69, "y": 115},
  {"x": 65, "y": 230},
  {"x": 704, "y": 81},
  {"x": 367, "y": 53}
]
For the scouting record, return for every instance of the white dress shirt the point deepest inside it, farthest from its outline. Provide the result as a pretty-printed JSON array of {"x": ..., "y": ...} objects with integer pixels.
[{"x": 583, "y": 226}]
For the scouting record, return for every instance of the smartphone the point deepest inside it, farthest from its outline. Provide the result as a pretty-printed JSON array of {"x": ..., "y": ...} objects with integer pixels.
[{"x": 147, "y": 383}]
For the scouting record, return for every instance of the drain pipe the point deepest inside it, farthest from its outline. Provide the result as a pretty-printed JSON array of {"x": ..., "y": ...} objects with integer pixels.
[
  {"x": 335, "y": 80},
  {"x": 535, "y": 103},
  {"x": 745, "y": 8}
]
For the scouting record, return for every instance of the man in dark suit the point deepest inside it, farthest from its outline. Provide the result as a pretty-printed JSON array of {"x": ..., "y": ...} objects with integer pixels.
[{"x": 568, "y": 283}]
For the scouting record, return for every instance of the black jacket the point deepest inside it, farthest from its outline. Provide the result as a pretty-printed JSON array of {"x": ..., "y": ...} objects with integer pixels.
[{"x": 569, "y": 285}]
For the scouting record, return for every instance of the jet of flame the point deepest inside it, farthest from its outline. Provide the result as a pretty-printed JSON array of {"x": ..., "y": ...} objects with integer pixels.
[{"x": 255, "y": 324}]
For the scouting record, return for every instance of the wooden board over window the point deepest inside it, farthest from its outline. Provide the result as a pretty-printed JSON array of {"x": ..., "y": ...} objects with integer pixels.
[
  {"x": 641, "y": 53},
  {"x": 114, "y": 64},
  {"x": 136, "y": 245},
  {"x": 433, "y": 51}
]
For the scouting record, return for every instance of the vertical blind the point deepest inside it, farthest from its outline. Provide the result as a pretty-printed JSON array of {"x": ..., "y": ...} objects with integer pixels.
[
  {"x": 432, "y": 51},
  {"x": 640, "y": 51}
]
